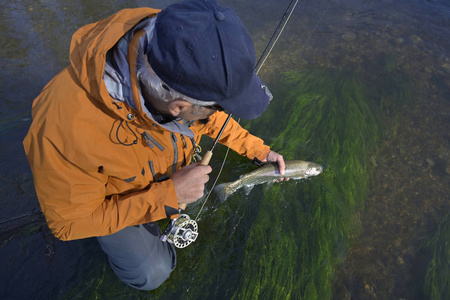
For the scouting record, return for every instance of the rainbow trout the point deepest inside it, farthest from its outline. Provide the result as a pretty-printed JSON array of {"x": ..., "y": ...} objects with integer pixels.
[{"x": 295, "y": 169}]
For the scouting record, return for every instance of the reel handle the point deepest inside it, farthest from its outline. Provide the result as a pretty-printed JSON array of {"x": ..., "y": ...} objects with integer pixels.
[{"x": 205, "y": 161}]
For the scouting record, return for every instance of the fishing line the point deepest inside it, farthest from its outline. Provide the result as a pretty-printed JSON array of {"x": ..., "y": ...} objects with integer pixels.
[
  {"x": 220, "y": 172},
  {"x": 270, "y": 45},
  {"x": 317, "y": 24},
  {"x": 267, "y": 50},
  {"x": 282, "y": 25},
  {"x": 273, "y": 40}
]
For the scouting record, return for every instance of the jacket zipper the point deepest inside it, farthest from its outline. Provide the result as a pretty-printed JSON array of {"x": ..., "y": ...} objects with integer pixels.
[
  {"x": 151, "y": 142},
  {"x": 152, "y": 169},
  {"x": 184, "y": 141},
  {"x": 175, "y": 152}
]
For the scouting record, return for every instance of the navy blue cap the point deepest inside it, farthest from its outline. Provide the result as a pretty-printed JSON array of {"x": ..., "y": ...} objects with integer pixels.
[{"x": 202, "y": 50}]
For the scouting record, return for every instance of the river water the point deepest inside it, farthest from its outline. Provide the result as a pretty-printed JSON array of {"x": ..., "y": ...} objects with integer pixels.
[{"x": 374, "y": 225}]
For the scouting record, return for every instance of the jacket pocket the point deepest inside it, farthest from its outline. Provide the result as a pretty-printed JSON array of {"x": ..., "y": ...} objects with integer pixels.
[{"x": 152, "y": 142}]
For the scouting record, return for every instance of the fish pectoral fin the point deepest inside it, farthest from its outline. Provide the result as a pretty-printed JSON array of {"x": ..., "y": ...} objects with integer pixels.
[
  {"x": 248, "y": 189},
  {"x": 222, "y": 192},
  {"x": 269, "y": 184}
]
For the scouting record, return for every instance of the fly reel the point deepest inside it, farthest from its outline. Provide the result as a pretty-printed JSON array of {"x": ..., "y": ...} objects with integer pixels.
[{"x": 181, "y": 231}]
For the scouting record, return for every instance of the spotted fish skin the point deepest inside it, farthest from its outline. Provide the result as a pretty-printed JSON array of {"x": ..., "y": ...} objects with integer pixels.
[{"x": 295, "y": 169}]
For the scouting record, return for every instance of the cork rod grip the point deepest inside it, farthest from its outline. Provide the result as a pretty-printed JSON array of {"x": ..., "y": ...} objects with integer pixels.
[
  {"x": 204, "y": 162},
  {"x": 206, "y": 158}
]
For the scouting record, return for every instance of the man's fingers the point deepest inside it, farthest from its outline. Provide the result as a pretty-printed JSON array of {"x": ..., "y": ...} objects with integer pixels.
[
  {"x": 206, "y": 169},
  {"x": 190, "y": 182},
  {"x": 281, "y": 165}
]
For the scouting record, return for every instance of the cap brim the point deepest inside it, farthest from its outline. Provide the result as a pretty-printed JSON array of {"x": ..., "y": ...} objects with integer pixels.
[{"x": 251, "y": 103}]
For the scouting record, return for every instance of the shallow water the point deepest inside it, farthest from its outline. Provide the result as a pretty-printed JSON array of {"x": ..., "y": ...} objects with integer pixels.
[{"x": 270, "y": 243}]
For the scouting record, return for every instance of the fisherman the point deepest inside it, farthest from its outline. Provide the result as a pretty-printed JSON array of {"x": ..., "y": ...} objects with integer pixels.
[{"x": 113, "y": 134}]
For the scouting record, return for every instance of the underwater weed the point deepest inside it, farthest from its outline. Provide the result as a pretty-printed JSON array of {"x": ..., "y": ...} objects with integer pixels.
[
  {"x": 437, "y": 280},
  {"x": 285, "y": 242},
  {"x": 326, "y": 117}
]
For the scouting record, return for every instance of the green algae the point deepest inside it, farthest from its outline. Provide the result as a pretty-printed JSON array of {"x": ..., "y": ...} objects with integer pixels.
[
  {"x": 329, "y": 116},
  {"x": 282, "y": 242},
  {"x": 437, "y": 279}
]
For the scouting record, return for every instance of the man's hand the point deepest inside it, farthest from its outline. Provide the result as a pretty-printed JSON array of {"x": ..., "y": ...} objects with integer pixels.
[
  {"x": 190, "y": 182},
  {"x": 278, "y": 158}
]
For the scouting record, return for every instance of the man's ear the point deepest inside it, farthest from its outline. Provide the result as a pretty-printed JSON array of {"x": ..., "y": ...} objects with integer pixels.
[{"x": 178, "y": 106}]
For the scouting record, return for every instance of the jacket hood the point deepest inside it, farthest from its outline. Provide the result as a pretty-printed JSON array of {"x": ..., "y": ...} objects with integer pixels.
[
  {"x": 90, "y": 51},
  {"x": 99, "y": 55}
]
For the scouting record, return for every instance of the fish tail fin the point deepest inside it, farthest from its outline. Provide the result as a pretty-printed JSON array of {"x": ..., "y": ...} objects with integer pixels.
[{"x": 222, "y": 191}]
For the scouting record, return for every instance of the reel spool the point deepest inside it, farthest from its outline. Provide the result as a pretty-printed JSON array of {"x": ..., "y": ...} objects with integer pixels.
[{"x": 181, "y": 232}]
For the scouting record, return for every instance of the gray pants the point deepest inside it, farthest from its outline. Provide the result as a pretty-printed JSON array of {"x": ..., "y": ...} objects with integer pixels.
[{"x": 138, "y": 257}]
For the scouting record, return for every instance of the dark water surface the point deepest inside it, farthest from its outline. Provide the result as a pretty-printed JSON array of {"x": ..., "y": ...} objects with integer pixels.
[{"x": 360, "y": 86}]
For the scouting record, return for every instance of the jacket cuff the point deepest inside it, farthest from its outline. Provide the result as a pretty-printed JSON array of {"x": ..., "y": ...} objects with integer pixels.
[
  {"x": 262, "y": 153},
  {"x": 170, "y": 211},
  {"x": 171, "y": 199}
]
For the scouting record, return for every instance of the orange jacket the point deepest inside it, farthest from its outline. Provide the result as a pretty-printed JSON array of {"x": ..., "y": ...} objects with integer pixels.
[{"x": 98, "y": 164}]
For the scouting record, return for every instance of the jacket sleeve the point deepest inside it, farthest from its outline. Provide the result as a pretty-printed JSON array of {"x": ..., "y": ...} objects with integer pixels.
[
  {"x": 73, "y": 199},
  {"x": 241, "y": 140}
]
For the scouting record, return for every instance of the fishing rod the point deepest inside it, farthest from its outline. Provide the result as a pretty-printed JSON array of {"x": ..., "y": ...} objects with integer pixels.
[
  {"x": 273, "y": 40},
  {"x": 182, "y": 231}
]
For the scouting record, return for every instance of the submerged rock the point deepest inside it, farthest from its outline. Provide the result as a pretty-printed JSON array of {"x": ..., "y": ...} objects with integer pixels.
[
  {"x": 416, "y": 39},
  {"x": 349, "y": 36}
]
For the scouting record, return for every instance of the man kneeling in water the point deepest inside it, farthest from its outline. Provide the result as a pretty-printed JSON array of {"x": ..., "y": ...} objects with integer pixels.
[{"x": 113, "y": 134}]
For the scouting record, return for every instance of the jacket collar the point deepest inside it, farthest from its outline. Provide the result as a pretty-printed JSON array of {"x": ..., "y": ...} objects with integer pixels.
[{"x": 123, "y": 85}]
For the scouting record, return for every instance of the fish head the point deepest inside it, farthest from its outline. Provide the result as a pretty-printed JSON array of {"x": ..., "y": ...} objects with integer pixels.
[{"x": 313, "y": 169}]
